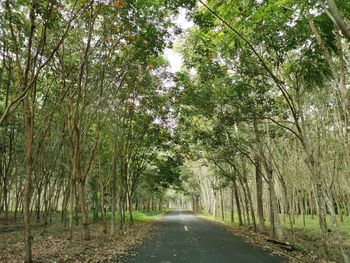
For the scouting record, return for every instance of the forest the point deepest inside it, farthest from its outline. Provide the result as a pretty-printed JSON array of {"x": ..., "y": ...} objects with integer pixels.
[{"x": 99, "y": 137}]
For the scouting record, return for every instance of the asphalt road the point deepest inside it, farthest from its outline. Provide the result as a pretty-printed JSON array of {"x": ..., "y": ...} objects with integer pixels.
[{"x": 184, "y": 237}]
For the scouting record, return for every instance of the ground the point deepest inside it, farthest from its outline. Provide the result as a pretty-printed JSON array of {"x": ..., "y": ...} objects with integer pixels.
[
  {"x": 178, "y": 236},
  {"x": 52, "y": 244}
]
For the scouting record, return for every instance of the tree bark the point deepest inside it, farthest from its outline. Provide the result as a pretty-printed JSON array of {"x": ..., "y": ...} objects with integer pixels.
[
  {"x": 28, "y": 162},
  {"x": 232, "y": 205},
  {"x": 275, "y": 220},
  {"x": 86, "y": 230},
  {"x": 238, "y": 205},
  {"x": 250, "y": 202},
  {"x": 338, "y": 18},
  {"x": 258, "y": 180},
  {"x": 222, "y": 205},
  {"x": 113, "y": 190}
]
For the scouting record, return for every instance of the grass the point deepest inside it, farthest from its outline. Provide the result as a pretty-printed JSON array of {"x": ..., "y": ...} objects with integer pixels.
[
  {"x": 312, "y": 225},
  {"x": 146, "y": 216},
  {"x": 138, "y": 216}
]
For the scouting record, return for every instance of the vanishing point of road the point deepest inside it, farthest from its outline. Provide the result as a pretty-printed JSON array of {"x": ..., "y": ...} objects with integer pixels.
[{"x": 184, "y": 237}]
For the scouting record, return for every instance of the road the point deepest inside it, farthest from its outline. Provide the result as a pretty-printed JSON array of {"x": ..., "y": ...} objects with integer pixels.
[{"x": 185, "y": 237}]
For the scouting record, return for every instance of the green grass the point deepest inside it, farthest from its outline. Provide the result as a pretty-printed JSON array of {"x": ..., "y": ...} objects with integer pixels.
[
  {"x": 138, "y": 216},
  {"x": 227, "y": 218},
  {"x": 146, "y": 216},
  {"x": 312, "y": 225}
]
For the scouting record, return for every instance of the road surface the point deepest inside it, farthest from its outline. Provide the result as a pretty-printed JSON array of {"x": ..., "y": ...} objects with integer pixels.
[{"x": 184, "y": 237}]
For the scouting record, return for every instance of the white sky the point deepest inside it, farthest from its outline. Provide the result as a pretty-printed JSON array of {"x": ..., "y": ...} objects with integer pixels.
[{"x": 174, "y": 58}]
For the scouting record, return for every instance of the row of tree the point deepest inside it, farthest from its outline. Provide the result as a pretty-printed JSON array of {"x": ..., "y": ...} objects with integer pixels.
[
  {"x": 264, "y": 112},
  {"x": 86, "y": 114}
]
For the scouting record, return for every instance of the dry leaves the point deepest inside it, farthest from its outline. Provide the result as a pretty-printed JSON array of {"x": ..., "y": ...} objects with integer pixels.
[{"x": 54, "y": 245}]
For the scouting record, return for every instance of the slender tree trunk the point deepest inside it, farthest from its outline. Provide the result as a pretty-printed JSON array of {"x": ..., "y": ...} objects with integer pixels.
[
  {"x": 17, "y": 200},
  {"x": 46, "y": 205},
  {"x": 38, "y": 203},
  {"x": 65, "y": 202},
  {"x": 232, "y": 205},
  {"x": 338, "y": 19},
  {"x": 28, "y": 162},
  {"x": 246, "y": 202},
  {"x": 239, "y": 213},
  {"x": 275, "y": 220},
  {"x": 258, "y": 180},
  {"x": 322, "y": 217},
  {"x": 130, "y": 207},
  {"x": 5, "y": 193},
  {"x": 86, "y": 230},
  {"x": 250, "y": 203},
  {"x": 222, "y": 205},
  {"x": 71, "y": 206},
  {"x": 121, "y": 212},
  {"x": 102, "y": 198},
  {"x": 113, "y": 191},
  {"x": 302, "y": 211},
  {"x": 215, "y": 212}
]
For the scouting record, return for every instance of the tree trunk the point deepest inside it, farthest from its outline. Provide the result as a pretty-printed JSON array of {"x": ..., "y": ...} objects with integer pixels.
[
  {"x": 130, "y": 207},
  {"x": 302, "y": 211},
  {"x": 5, "y": 193},
  {"x": 275, "y": 220},
  {"x": 121, "y": 212},
  {"x": 258, "y": 180},
  {"x": 222, "y": 206},
  {"x": 259, "y": 194},
  {"x": 232, "y": 205},
  {"x": 322, "y": 217},
  {"x": 102, "y": 203},
  {"x": 239, "y": 213},
  {"x": 113, "y": 191},
  {"x": 338, "y": 18},
  {"x": 71, "y": 206},
  {"x": 28, "y": 162},
  {"x": 38, "y": 203},
  {"x": 246, "y": 202},
  {"x": 86, "y": 230},
  {"x": 250, "y": 203}
]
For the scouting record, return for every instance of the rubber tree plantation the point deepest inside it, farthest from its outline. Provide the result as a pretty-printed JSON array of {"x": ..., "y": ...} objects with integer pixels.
[{"x": 121, "y": 120}]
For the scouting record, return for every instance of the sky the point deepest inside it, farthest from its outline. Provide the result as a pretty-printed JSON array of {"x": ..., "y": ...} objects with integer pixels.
[{"x": 174, "y": 58}]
